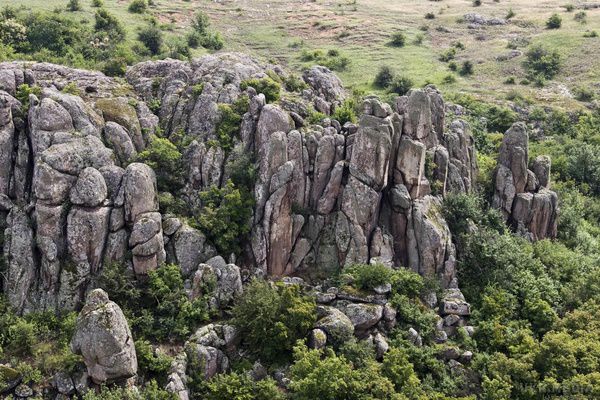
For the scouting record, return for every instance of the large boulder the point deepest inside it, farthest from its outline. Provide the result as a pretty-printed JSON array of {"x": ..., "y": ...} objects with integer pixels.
[{"x": 103, "y": 338}]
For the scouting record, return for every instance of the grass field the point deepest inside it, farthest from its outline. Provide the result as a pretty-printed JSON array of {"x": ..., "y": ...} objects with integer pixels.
[{"x": 279, "y": 30}]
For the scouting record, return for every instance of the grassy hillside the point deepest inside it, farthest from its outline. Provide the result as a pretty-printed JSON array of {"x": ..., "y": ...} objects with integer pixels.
[{"x": 361, "y": 30}]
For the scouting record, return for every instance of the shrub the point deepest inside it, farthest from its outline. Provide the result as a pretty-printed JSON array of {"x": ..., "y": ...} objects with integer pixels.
[
  {"x": 449, "y": 79},
  {"x": 108, "y": 23},
  {"x": 510, "y": 14},
  {"x": 294, "y": 83},
  {"x": 584, "y": 93},
  {"x": 152, "y": 363},
  {"x": 178, "y": 48},
  {"x": 23, "y": 92},
  {"x": 51, "y": 32},
  {"x": 499, "y": 118},
  {"x": 13, "y": 33},
  {"x": 398, "y": 39},
  {"x": 225, "y": 217},
  {"x": 152, "y": 38},
  {"x": 271, "y": 318},
  {"x": 384, "y": 77},
  {"x": 369, "y": 276},
  {"x": 345, "y": 112},
  {"x": 157, "y": 308},
  {"x": 581, "y": 17},
  {"x": 467, "y": 68},
  {"x": 73, "y": 5},
  {"x": 266, "y": 86},
  {"x": 476, "y": 3},
  {"x": 165, "y": 159},
  {"x": 212, "y": 41},
  {"x": 448, "y": 55},
  {"x": 401, "y": 85},
  {"x": 542, "y": 62},
  {"x": 590, "y": 34},
  {"x": 430, "y": 15},
  {"x": 149, "y": 392},
  {"x": 229, "y": 124},
  {"x": 554, "y": 22},
  {"x": 137, "y": 6},
  {"x": 234, "y": 386},
  {"x": 201, "y": 22},
  {"x": 97, "y": 3}
]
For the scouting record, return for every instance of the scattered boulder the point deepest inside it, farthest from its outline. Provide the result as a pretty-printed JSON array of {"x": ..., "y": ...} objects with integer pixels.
[{"x": 103, "y": 338}]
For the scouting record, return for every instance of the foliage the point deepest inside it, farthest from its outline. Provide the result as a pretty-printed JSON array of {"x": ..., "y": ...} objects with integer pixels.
[
  {"x": 23, "y": 93},
  {"x": 225, "y": 217},
  {"x": 346, "y": 112},
  {"x": 369, "y": 276},
  {"x": 467, "y": 68},
  {"x": 166, "y": 160},
  {"x": 554, "y": 22},
  {"x": 398, "y": 39},
  {"x": 157, "y": 308},
  {"x": 137, "y": 6},
  {"x": 542, "y": 62},
  {"x": 267, "y": 86},
  {"x": 151, "y": 362},
  {"x": 401, "y": 85},
  {"x": 149, "y": 392},
  {"x": 234, "y": 386},
  {"x": 384, "y": 77},
  {"x": 73, "y": 5},
  {"x": 152, "y": 37},
  {"x": 271, "y": 318}
]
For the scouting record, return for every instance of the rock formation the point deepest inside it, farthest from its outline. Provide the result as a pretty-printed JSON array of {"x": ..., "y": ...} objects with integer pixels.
[
  {"x": 103, "y": 338},
  {"x": 72, "y": 197},
  {"x": 523, "y": 195}
]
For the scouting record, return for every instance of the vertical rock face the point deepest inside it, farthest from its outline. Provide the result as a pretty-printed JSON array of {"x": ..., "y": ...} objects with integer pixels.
[
  {"x": 103, "y": 338},
  {"x": 523, "y": 195},
  {"x": 72, "y": 197}
]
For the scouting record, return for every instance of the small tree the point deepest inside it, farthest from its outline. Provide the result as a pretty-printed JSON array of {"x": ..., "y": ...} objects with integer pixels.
[
  {"x": 467, "y": 68},
  {"x": 541, "y": 61}
]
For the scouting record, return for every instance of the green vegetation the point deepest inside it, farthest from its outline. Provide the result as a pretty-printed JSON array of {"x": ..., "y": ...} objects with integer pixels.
[
  {"x": 271, "y": 318},
  {"x": 158, "y": 308},
  {"x": 165, "y": 159},
  {"x": 267, "y": 86}
]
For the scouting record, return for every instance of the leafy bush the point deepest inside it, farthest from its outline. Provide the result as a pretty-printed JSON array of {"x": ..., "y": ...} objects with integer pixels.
[
  {"x": 229, "y": 124},
  {"x": 137, "y": 6},
  {"x": 384, "y": 77},
  {"x": 398, "y": 39},
  {"x": 149, "y": 392},
  {"x": 346, "y": 112},
  {"x": 467, "y": 68},
  {"x": 152, "y": 363},
  {"x": 369, "y": 276},
  {"x": 157, "y": 308},
  {"x": 234, "y": 386},
  {"x": 266, "y": 86},
  {"x": 73, "y": 5},
  {"x": 542, "y": 62},
  {"x": 108, "y": 23},
  {"x": 401, "y": 85},
  {"x": 152, "y": 37},
  {"x": 201, "y": 22},
  {"x": 166, "y": 160},
  {"x": 212, "y": 41},
  {"x": 271, "y": 318},
  {"x": 554, "y": 22},
  {"x": 225, "y": 216}
]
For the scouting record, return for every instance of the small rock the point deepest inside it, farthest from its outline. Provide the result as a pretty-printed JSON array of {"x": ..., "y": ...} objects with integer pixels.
[
  {"x": 23, "y": 391},
  {"x": 466, "y": 357},
  {"x": 317, "y": 339},
  {"x": 414, "y": 337}
]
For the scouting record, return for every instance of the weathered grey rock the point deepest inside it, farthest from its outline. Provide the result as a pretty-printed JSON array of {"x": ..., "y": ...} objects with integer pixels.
[
  {"x": 118, "y": 139},
  {"x": 541, "y": 169},
  {"x": 338, "y": 327},
  {"x": 364, "y": 316},
  {"x": 317, "y": 339},
  {"x": 139, "y": 191},
  {"x": 103, "y": 338},
  {"x": 90, "y": 189}
]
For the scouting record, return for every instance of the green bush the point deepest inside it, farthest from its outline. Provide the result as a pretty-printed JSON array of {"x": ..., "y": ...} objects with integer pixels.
[
  {"x": 369, "y": 276},
  {"x": 228, "y": 127},
  {"x": 73, "y": 5},
  {"x": 157, "y": 308},
  {"x": 225, "y": 216},
  {"x": 149, "y": 392},
  {"x": 97, "y": 3},
  {"x": 384, "y": 78},
  {"x": 271, "y": 318},
  {"x": 542, "y": 62},
  {"x": 554, "y": 22},
  {"x": 346, "y": 112},
  {"x": 108, "y": 23},
  {"x": 398, "y": 39},
  {"x": 152, "y": 37},
  {"x": 234, "y": 386},
  {"x": 137, "y": 6},
  {"x": 152, "y": 363},
  {"x": 212, "y": 41},
  {"x": 266, "y": 86},
  {"x": 166, "y": 160},
  {"x": 23, "y": 92},
  {"x": 401, "y": 85},
  {"x": 467, "y": 68},
  {"x": 201, "y": 22},
  {"x": 177, "y": 48}
]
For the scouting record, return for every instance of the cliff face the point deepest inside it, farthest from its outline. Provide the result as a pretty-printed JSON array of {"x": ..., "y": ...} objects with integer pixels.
[{"x": 72, "y": 199}]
